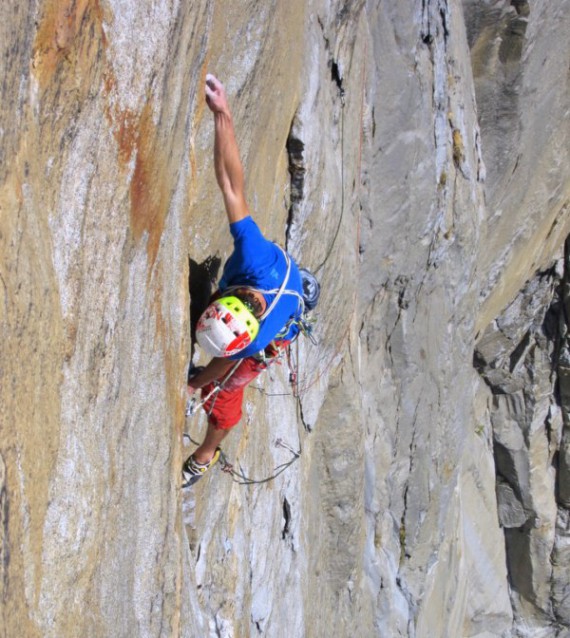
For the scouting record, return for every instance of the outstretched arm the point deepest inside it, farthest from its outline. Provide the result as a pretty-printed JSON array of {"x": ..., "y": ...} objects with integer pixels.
[{"x": 229, "y": 170}]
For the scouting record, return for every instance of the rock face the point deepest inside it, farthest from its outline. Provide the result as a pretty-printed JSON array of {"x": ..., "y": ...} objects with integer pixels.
[
  {"x": 415, "y": 157},
  {"x": 520, "y": 356}
]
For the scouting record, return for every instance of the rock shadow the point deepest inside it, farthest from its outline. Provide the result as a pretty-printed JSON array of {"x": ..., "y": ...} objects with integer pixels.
[{"x": 201, "y": 283}]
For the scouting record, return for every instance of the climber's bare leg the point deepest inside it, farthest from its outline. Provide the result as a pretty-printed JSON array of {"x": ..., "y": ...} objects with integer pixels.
[{"x": 212, "y": 440}]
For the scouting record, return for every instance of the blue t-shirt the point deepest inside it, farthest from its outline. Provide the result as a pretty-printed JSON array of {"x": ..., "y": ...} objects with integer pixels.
[{"x": 259, "y": 263}]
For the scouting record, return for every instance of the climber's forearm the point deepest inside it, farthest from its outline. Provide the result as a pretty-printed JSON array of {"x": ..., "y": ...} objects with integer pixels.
[
  {"x": 229, "y": 169},
  {"x": 216, "y": 369}
]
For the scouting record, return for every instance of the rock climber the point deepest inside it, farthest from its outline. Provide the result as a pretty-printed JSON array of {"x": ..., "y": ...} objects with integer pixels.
[{"x": 254, "y": 314}]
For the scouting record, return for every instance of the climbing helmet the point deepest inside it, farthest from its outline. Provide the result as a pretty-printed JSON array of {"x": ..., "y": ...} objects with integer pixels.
[{"x": 226, "y": 327}]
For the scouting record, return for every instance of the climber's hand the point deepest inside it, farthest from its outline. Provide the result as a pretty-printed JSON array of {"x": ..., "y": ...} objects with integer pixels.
[
  {"x": 216, "y": 95},
  {"x": 193, "y": 372}
]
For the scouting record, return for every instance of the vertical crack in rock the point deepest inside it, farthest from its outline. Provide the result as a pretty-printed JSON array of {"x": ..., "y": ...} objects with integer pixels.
[
  {"x": 286, "y": 519},
  {"x": 448, "y": 114},
  {"x": 307, "y": 426},
  {"x": 336, "y": 76},
  {"x": 430, "y": 10},
  {"x": 218, "y": 627},
  {"x": 560, "y": 558},
  {"x": 336, "y": 73},
  {"x": 497, "y": 38},
  {"x": 297, "y": 169},
  {"x": 524, "y": 357},
  {"x": 202, "y": 279},
  {"x": 443, "y": 15},
  {"x": 402, "y": 529}
]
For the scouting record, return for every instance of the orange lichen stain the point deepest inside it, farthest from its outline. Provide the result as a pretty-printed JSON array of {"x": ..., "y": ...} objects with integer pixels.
[
  {"x": 126, "y": 133},
  {"x": 136, "y": 136},
  {"x": 58, "y": 32},
  {"x": 149, "y": 202},
  {"x": 124, "y": 123}
]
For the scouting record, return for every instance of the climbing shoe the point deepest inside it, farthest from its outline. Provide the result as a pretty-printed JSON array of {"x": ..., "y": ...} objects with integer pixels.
[{"x": 192, "y": 471}]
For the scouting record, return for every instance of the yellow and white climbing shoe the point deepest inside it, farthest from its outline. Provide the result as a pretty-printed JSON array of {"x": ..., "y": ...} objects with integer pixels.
[{"x": 192, "y": 470}]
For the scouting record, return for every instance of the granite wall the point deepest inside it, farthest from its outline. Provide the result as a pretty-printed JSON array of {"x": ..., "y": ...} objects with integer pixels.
[{"x": 414, "y": 156}]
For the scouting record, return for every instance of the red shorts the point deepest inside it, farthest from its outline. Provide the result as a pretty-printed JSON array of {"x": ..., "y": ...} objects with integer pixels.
[{"x": 224, "y": 408}]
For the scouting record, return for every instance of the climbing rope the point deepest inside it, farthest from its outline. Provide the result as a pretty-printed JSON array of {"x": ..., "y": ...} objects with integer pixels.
[
  {"x": 240, "y": 477},
  {"x": 329, "y": 251},
  {"x": 302, "y": 383}
]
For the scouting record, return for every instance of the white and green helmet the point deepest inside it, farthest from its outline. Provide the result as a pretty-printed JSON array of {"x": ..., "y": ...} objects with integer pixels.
[{"x": 226, "y": 327}]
